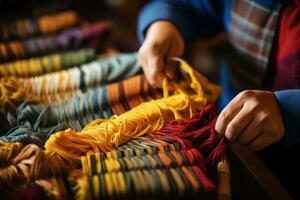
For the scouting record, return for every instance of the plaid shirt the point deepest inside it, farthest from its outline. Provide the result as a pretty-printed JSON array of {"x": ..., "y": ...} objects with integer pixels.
[{"x": 251, "y": 31}]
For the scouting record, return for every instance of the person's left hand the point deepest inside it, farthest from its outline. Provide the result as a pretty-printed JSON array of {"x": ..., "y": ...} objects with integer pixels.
[{"x": 253, "y": 118}]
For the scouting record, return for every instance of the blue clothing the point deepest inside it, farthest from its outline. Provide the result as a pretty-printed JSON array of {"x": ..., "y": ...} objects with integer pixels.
[{"x": 195, "y": 18}]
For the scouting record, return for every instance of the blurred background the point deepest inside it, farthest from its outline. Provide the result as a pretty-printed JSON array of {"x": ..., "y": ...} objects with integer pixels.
[
  {"x": 122, "y": 13},
  {"x": 204, "y": 55}
]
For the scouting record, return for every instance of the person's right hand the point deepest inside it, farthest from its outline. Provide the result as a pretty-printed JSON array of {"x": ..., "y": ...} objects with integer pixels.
[{"x": 163, "y": 41}]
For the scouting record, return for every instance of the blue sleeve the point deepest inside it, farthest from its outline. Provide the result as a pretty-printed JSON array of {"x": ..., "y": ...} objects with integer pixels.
[
  {"x": 193, "y": 18},
  {"x": 289, "y": 104}
]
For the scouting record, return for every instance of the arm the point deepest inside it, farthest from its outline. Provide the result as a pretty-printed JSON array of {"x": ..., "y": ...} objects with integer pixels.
[
  {"x": 166, "y": 26},
  {"x": 191, "y": 17},
  {"x": 289, "y": 104}
]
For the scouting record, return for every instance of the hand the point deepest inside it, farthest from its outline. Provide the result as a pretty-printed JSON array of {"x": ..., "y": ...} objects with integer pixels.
[
  {"x": 162, "y": 41},
  {"x": 252, "y": 118}
]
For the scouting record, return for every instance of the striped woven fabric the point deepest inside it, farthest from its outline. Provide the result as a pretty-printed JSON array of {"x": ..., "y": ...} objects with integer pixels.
[
  {"x": 45, "y": 87},
  {"x": 251, "y": 31},
  {"x": 61, "y": 116},
  {"x": 91, "y": 74},
  {"x": 93, "y": 36},
  {"x": 174, "y": 164},
  {"x": 79, "y": 108},
  {"x": 46, "y": 64},
  {"x": 44, "y": 25},
  {"x": 153, "y": 164}
]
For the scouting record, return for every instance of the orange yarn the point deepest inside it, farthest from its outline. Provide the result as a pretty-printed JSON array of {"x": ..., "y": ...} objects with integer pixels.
[{"x": 105, "y": 135}]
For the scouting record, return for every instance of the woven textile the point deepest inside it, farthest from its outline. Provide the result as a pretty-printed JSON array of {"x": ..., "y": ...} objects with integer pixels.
[{"x": 85, "y": 127}]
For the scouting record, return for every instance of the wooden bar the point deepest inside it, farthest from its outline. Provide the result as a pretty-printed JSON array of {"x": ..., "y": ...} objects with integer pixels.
[{"x": 250, "y": 178}]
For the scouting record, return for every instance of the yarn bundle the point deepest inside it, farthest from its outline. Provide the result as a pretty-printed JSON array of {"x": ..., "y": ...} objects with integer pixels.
[{"x": 78, "y": 123}]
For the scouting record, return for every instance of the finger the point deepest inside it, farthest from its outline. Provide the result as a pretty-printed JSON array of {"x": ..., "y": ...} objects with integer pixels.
[
  {"x": 171, "y": 65},
  {"x": 261, "y": 141},
  {"x": 151, "y": 64},
  {"x": 252, "y": 130},
  {"x": 155, "y": 64},
  {"x": 238, "y": 123},
  {"x": 170, "y": 69},
  {"x": 151, "y": 57},
  {"x": 227, "y": 115},
  {"x": 155, "y": 71}
]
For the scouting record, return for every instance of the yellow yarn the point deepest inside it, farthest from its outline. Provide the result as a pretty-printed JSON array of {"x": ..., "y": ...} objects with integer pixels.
[
  {"x": 106, "y": 135},
  {"x": 12, "y": 93},
  {"x": 8, "y": 151},
  {"x": 19, "y": 166},
  {"x": 8, "y": 172},
  {"x": 54, "y": 188},
  {"x": 81, "y": 186}
]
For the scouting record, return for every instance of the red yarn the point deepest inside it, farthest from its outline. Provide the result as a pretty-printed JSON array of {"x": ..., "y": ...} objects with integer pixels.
[
  {"x": 30, "y": 192},
  {"x": 200, "y": 142},
  {"x": 197, "y": 132},
  {"x": 208, "y": 185}
]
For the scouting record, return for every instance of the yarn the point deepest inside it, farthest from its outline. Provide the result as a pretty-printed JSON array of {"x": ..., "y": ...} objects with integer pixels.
[
  {"x": 45, "y": 24},
  {"x": 170, "y": 183},
  {"x": 8, "y": 151},
  {"x": 35, "y": 123},
  {"x": 93, "y": 36},
  {"x": 28, "y": 192},
  {"x": 20, "y": 166},
  {"x": 53, "y": 23},
  {"x": 39, "y": 89},
  {"x": 12, "y": 93},
  {"x": 180, "y": 151},
  {"x": 46, "y": 64},
  {"x": 206, "y": 139},
  {"x": 105, "y": 135},
  {"x": 53, "y": 188},
  {"x": 31, "y": 163}
]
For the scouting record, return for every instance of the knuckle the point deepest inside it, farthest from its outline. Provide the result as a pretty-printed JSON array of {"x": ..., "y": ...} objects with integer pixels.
[
  {"x": 224, "y": 116},
  {"x": 254, "y": 105},
  {"x": 149, "y": 48},
  {"x": 251, "y": 99},
  {"x": 221, "y": 122},
  {"x": 231, "y": 131},
  {"x": 246, "y": 93},
  {"x": 232, "y": 126},
  {"x": 264, "y": 118},
  {"x": 218, "y": 127}
]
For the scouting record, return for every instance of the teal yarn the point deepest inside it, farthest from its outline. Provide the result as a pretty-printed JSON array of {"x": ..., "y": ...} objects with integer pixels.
[
  {"x": 34, "y": 123},
  {"x": 33, "y": 131}
]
